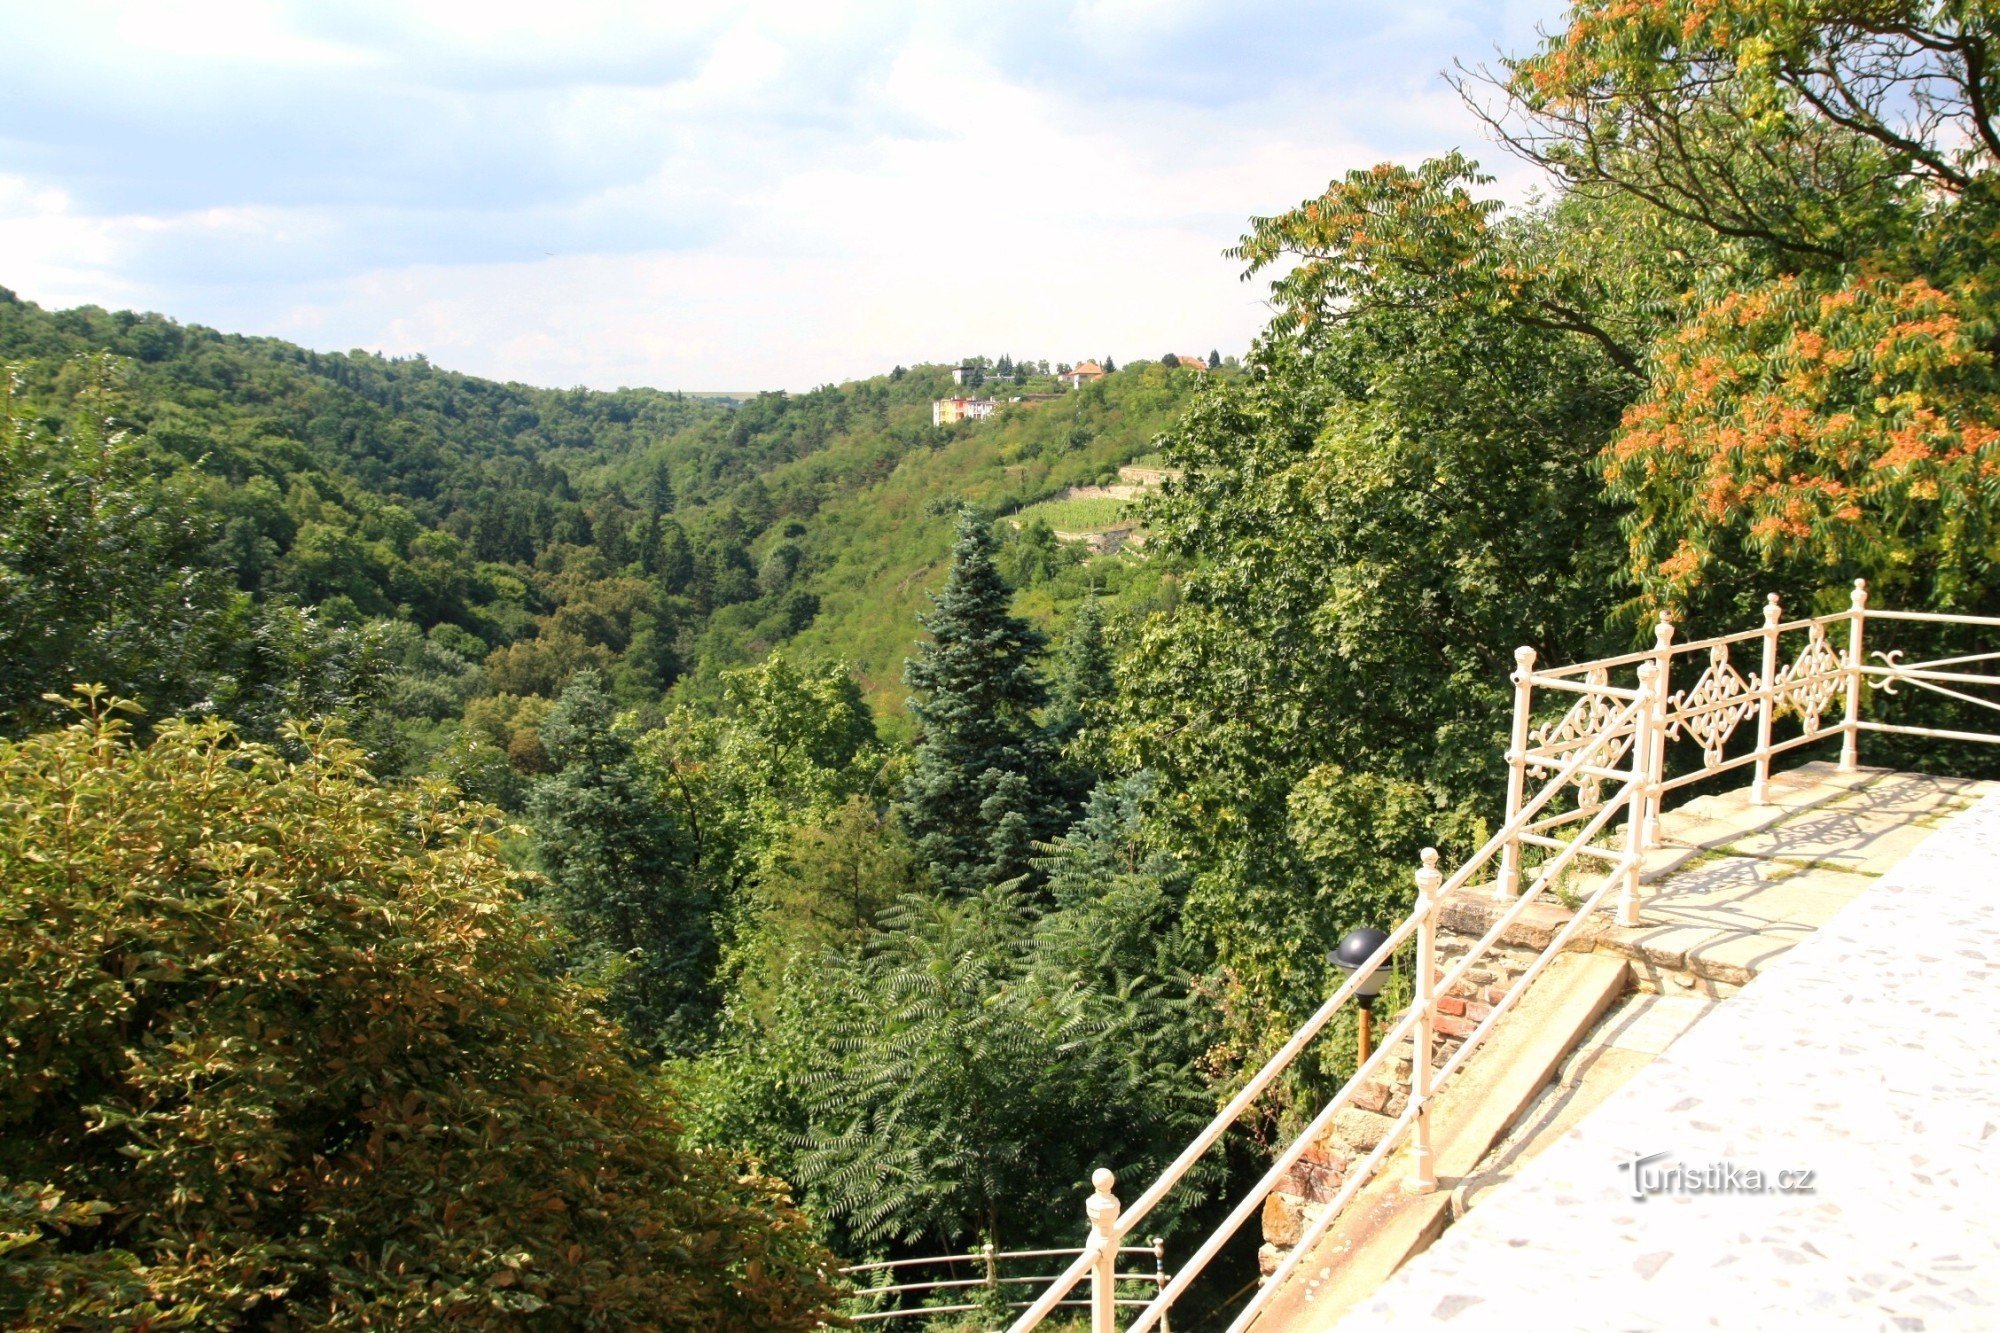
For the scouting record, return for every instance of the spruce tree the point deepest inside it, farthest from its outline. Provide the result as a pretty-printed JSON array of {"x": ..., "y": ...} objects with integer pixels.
[
  {"x": 1083, "y": 673},
  {"x": 982, "y": 790},
  {"x": 619, "y": 874},
  {"x": 1082, "y": 688},
  {"x": 659, "y": 491}
]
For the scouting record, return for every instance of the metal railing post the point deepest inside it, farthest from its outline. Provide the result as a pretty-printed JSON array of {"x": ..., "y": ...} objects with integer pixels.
[
  {"x": 1508, "y": 885},
  {"x": 992, "y": 1269},
  {"x": 1643, "y": 719},
  {"x": 1102, "y": 1210},
  {"x": 1767, "y": 707},
  {"x": 1423, "y": 1163},
  {"x": 1655, "y": 754},
  {"x": 1160, "y": 1277},
  {"x": 1850, "y": 741}
]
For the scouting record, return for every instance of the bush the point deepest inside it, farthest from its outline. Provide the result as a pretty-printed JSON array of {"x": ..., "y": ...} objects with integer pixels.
[{"x": 282, "y": 1048}]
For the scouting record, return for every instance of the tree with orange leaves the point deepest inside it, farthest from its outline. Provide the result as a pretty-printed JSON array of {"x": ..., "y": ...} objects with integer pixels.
[{"x": 1825, "y": 406}]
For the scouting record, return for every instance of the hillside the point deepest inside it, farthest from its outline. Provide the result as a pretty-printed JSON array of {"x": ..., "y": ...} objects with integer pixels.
[{"x": 482, "y": 541}]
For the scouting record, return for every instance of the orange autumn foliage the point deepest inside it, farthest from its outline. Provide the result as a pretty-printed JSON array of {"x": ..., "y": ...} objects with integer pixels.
[{"x": 1787, "y": 425}]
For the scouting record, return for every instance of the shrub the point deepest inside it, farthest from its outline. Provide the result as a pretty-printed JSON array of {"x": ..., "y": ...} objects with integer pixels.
[{"x": 282, "y": 1048}]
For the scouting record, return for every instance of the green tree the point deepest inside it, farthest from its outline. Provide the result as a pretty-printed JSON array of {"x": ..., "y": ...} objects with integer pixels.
[
  {"x": 618, "y": 873},
  {"x": 1084, "y": 683},
  {"x": 103, "y": 571},
  {"x": 1365, "y": 524},
  {"x": 286, "y": 1050},
  {"x": 821, "y": 888},
  {"x": 969, "y": 1091},
  {"x": 1826, "y": 407},
  {"x": 787, "y": 748},
  {"x": 977, "y": 796},
  {"x": 660, "y": 490}
]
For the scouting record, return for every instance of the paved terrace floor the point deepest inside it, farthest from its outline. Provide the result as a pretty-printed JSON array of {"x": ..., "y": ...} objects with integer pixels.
[{"x": 1867, "y": 1052}]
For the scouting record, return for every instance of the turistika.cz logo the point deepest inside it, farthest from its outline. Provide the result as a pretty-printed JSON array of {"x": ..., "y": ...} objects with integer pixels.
[{"x": 1644, "y": 1180}]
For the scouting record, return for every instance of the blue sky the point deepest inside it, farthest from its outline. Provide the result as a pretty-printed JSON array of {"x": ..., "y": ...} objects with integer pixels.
[{"x": 724, "y": 196}]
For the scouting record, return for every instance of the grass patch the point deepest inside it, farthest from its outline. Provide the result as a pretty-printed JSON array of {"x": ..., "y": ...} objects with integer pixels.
[{"x": 1095, "y": 515}]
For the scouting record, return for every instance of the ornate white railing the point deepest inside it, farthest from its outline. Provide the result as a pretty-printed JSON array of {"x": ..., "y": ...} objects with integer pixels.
[
  {"x": 1604, "y": 755},
  {"x": 989, "y": 1281}
]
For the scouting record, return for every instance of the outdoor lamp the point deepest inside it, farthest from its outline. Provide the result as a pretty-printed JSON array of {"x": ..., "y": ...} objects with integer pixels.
[{"x": 1355, "y": 949}]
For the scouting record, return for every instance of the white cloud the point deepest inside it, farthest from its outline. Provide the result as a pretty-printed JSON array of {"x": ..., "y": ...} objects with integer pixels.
[{"x": 712, "y": 195}]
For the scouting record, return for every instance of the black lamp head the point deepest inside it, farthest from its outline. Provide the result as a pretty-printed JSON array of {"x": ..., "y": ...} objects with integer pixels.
[{"x": 1357, "y": 948}]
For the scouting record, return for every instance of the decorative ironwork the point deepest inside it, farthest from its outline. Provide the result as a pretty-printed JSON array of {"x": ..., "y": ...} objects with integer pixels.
[
  {"x": 1927, "y": 675},
  {"x": 1809, "y": 683},
  {"x": 1592, "y": 715},
  {"x": 1709, "y": 711}
]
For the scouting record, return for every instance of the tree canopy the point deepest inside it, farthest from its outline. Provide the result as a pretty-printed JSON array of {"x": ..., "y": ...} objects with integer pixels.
[{"x": 284, "y": 1048}]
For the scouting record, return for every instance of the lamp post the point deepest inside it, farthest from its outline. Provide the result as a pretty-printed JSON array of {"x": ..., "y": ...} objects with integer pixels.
[{"x": 1355, "y": 949}]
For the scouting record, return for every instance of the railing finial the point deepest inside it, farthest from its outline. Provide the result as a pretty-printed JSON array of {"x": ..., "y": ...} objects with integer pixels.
[
  {"x": 1773, "y": 613},
  {"x": 1102, "y": 1210},
  {"x": 1524, "y": 660},
  {"x": 1663, "y": 629},
  {"x": 1428, "y": 875},
  {"x": 1858, "y": 599}
]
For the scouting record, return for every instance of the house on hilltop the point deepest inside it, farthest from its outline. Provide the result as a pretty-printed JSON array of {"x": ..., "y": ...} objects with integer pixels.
[
  {"x": 951, "y": 411},
  {"x": 1089, "y": 372},
  {"x": 1193, "y": 363}
]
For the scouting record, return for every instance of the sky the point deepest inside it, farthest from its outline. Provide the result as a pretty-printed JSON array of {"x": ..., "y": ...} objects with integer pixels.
[{"x": 705, "y": 196}]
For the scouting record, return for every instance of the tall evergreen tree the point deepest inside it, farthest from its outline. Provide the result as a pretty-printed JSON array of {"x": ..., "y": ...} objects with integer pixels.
[
  {"x": 676, "y": 557},
  {"x": 659, "y": 491},
  {"x": 1083, "y": 673},
  {"x": 981, "y": 792},
  {"x": 618, "y": 873}
]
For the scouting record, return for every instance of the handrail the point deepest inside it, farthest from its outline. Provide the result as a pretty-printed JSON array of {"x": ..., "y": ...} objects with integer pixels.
[
  {"x": 1393, "y": 1137},
  {"x": 1723, "y": 641},
  {"x": 982, "y": 1254},
  {"x": 1607, "y": 725},
  {"x": 992, "y": 1278},
  {"x": 1390, "y": 1040},
  {"x": 1630, "y": 715}
]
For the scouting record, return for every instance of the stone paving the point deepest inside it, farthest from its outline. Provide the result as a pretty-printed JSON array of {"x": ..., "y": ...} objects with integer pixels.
[{"x": 1866, "y": 1054}]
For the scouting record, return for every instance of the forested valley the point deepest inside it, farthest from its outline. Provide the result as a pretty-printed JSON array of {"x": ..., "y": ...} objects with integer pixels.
[{"x": 595, "y": 859}]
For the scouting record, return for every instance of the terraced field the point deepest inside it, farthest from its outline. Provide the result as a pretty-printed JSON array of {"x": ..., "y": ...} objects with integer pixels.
[{"x": 1079, "y": 515}]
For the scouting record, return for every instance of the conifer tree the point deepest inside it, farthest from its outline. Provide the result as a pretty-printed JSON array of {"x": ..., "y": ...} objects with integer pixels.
[
  {"x": 618, "y": 873},
  {"x": 676, "y": 557},
  {"x": 980, "y": 792},
  {"x": 659, "y": 491},
  {"x": 1083, "y": 673}
]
